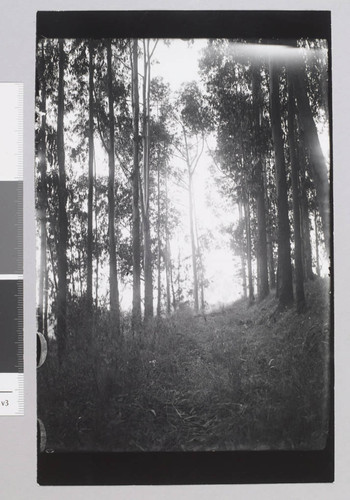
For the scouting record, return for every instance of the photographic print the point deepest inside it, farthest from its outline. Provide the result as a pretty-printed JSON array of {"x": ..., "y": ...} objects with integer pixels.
[{"x": 184, "y": 238}]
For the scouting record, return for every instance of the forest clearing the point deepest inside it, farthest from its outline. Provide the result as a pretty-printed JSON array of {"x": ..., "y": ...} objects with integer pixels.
[{"x": 183, "y": 244}]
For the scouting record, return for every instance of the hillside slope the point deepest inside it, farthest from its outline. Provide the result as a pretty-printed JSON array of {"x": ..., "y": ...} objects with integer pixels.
[{"x": 238, "y": 378}]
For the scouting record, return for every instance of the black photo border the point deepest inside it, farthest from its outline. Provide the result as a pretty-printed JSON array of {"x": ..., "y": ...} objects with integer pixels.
[{"x": 172, "y": 468}]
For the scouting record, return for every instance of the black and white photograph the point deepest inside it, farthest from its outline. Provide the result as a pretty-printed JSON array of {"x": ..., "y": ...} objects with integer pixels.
[{"x": 184, "y": 241}]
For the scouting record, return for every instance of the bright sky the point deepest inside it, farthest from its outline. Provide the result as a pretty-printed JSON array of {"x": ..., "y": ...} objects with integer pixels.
[{"x": 177, "y": 63}]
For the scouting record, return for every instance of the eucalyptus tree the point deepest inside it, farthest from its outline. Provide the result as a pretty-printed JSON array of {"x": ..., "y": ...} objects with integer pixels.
[
  {"x": 299, "y": 273},
  {"x": 284, "y": 278},
  {"x": 316, "y": 159},
  {"x": 228, "y": 80},
  {"x": 160, "y": 149},
  {"x": 260, "y": 147},
  {"x": 136, "y": 243},
  {"x": 63, "y": 221},
  {"x": 113, "y": 277},
  {"x": 194, "y": 121},
  {"x": 42, "y": 180},
  {"x": 91, "y": 175},
  {"x": 114, "y": 124},
  {"x": 148, "y": 49}
]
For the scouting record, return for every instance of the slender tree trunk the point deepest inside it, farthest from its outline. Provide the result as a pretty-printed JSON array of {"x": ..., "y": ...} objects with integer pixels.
[
  {"x": 42, "y": 194},
  {"x": 178, "y": 278},
  {"x": 136, "y": 244},
  {"x": 172, "y": 284},
  {"x": 113, "y": 279},
  {"x": 146, "y": 165},
  {"x": 316, "y": 245},
  {"x": 168, "y": 274},
  {"x": 167, "y": 280},
  {"x": 299, "y": 274},
  {"x": 269, "y": 242},
  {"x": 79, "y": 273},
  {"x": 249, "y": 250},
  {"x": 271, "y": 264},
  {"x": 158, "y": 245},
  {"x": 46, "y": 301},
  {"x": 63, "y": 222},
  {"x": 305, "y": 220},
  {"x": 263, "y": 283},
  {"x": 96, "y": 240},
  {"x": 148, "y": 270},
  {"x": 91, "y": 178},
  {"x": 316, "y": 159},
  {"x": 193, "y": 243},
  {"x": 285, "y": 280},
  {"x": 242, "y": 254}
]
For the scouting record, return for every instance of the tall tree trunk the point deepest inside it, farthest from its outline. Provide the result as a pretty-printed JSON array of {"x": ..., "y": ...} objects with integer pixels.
[
  {"x": 305, "y": 220},
  {"x": 316, "y": 245},
  {"x": 269, "y": 242},
  {"x": 46, "y": 301},
  {"x": 113, "y": 279},
  {"x": 63, "y": 222},
  {"x": 299, "y": 274},
  {"x": 178, "y": 278},
  {"x": 316, "y": 159},
  {"x": 271, "y": 264},
  {"x": 285, "y": 280},
  {"x": 167, "y": 280},
  {"x": 42, "y": 194},
  {"x": 193, "y": 243},
  {"x": 242, "y": 255},
  {"x": 249, "y": 250},
  {"x": 148, "y": 270},
  {"x": 136, "y": 244},
  {"x": 96, "y": 241},
  {"x": 172, "y": 283},
  {"x": 158, "y": 245},
  {"x": 168, "y": 273},
  {"x": 263, "y": 283},
  {"x": 91, "y": 178},
  {"x": 146, "y": 167}
]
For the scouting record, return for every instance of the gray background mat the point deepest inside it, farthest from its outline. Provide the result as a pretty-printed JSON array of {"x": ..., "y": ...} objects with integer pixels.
[
  {"x": 11, "y": 235},
  {"x": 18, "y": 434},
  {"x": 9, "y": 303}
]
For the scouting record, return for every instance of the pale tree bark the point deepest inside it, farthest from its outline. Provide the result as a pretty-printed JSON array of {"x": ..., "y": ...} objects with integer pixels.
[
  {"x": 168, "y": 271},
  {"x": 304, "y": 209},
  {"x": 42, "y": 199},
  {"x": 146, "y": 189},
  {"x": 63, "y": 222},
  {"x": 249, "y": 249},
  {"x": 159, "y": 291},
  {"x": 317, "y": 242},
  {"x": 269, "y": 242},
  {"x": 113, "y": 278},
  {"x": 242, "y": 255},
  {"x": 91, "y": 178},
  {"x": 193, "y": 244},
  {"x": 136, "y": 244}
]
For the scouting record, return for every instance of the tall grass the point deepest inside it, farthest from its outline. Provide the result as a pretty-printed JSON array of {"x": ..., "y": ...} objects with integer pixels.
[{"x": 243, "y": 378}]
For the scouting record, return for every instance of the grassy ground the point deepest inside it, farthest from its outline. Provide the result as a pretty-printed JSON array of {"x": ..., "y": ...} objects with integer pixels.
[{"x": 239, "y": 378}]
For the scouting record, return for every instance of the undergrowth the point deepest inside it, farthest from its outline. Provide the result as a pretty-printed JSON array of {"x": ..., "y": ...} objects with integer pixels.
[{"x": 241, "y": 378}]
